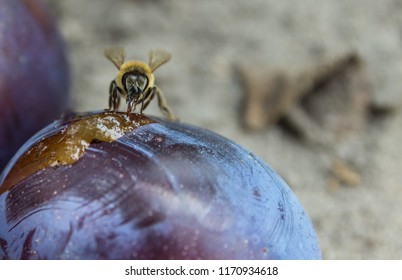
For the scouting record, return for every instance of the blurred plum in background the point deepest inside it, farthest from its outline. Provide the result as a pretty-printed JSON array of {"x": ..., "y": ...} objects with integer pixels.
[{"x": 34, "y": 73}]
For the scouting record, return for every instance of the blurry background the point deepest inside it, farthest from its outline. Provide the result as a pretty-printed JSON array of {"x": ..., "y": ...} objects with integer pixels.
[{"x": 355, "y": 205}]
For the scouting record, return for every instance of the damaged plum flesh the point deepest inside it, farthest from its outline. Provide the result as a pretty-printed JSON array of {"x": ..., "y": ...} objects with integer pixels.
[{"x": 109, "y": 186}]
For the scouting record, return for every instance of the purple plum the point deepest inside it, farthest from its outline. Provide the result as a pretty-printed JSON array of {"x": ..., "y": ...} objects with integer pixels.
[{"x": 105, "y": 185}]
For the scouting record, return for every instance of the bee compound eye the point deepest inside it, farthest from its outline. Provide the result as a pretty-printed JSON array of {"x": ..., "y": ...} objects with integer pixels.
[
  {"x": 129, "y": 79},
  {"x": 142, "y": 81}
]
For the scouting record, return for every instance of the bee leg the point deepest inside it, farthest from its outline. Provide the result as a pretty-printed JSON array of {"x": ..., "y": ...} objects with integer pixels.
[
  {"x": 129, "y": 104},
  {"x": 142, "y": 106},
  {"x": 148, "y": 96},
  {"x": 163, "y": 104},
  {"x": 114, "y": 99},
  {"x": 128, "y": 109}
]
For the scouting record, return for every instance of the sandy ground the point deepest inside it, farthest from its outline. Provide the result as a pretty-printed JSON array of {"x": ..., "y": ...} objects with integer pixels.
[{"x": 208, "y": 38}]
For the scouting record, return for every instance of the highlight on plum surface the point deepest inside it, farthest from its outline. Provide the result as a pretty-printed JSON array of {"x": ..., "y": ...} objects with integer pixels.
[{"x": 104, "y": 185}]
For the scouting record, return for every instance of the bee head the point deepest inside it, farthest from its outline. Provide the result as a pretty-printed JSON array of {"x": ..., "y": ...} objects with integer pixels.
[{"x": 134, "y": 84}]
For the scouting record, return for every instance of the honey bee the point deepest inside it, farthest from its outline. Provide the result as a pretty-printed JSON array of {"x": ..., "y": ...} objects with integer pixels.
[{"x": 135, "y": 80}]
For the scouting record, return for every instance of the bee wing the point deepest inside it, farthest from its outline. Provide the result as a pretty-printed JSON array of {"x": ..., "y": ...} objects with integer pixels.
[
  {"x": 158, "y": 57},
  {"x": 116, "y": 55}
]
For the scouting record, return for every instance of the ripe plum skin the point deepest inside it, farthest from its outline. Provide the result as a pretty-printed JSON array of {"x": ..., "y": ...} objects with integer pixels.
[
  {"x": 34, "y": 73},
  {"x": 165, "y": 190}
]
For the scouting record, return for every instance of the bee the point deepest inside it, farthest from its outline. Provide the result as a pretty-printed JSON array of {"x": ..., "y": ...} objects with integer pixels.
[{"x": 135, "y": 80}]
